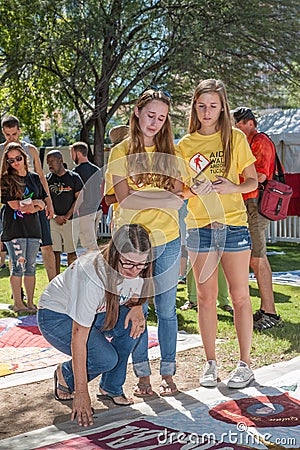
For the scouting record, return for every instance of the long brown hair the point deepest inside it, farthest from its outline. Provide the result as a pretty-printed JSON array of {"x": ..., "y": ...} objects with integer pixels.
[
  {"x": 129, "y": 238},
  {"x": 155, "y": 169},
  {"x": 11, "y": 183},
  {"x": 217, "y": 86}
]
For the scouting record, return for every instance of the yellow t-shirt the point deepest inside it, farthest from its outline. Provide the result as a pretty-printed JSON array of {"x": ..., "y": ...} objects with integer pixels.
[
  {"x": 227, "y": 208},
  {"x": 162, "y": 224}
]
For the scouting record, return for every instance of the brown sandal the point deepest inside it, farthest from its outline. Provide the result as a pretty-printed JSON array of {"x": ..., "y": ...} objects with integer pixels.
[
  {"x": 119, "y": 400},
  {"x": 167, "y": 388},
  {"x": 143, "y": 389}
]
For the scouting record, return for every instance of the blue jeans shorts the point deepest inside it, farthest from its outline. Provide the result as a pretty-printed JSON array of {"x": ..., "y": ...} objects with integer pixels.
[{"x": 218, "y": 237}]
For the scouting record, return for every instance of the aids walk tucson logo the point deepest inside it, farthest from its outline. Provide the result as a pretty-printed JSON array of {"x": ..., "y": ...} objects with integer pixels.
[
  {"x": 216, "y": 162},
  {"x": 199, "y": 162}
]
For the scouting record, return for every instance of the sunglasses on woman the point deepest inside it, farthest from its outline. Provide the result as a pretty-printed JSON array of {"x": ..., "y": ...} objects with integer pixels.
[
  {"x": 12, "y": 160},
  {"x": 139, "y": 266},
  {"x": 157, "y": 89}
]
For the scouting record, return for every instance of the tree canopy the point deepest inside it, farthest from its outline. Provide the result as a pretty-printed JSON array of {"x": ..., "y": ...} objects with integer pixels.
[{"x": 96, "y": 56}]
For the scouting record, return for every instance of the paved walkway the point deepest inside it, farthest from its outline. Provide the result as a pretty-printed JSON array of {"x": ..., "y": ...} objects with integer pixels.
[{"x": 266, "y": 415}]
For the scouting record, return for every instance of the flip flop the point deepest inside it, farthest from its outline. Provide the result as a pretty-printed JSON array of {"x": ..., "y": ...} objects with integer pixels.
[
  {"x": 145, "y": 387},
  {"x": 32, "y": 308},
  {"x": 113, "y": 399},
  {"x": 165, "y": 386},
  {"x": 60, "y": 387},
  {"x": 21, "y": 310}
]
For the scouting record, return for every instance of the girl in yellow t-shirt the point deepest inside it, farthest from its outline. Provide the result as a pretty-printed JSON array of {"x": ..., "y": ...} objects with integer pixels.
[
  {"x": 217, "y": 221},
  {"x": 144, "y": 173}
]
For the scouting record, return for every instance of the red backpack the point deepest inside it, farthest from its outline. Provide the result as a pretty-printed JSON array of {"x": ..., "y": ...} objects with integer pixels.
[{"x": 274, "y": 195}]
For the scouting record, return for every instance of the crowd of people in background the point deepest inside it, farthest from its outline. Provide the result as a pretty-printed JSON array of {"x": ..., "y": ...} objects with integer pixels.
[{"x": 179, "y": 213}]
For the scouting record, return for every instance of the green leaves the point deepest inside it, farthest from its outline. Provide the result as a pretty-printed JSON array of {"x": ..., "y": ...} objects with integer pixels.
[{"x": 95, "y": 56}]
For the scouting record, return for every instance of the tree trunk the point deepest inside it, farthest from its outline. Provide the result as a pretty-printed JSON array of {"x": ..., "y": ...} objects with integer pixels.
[
  {"x": 100, "y": 116},
  {"x": 99, "y": 141},
  {"x": 85, "y": 137}
]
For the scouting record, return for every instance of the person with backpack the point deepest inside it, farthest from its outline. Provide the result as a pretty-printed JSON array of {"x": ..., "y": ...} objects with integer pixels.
[{"x": 264, "y": 151}]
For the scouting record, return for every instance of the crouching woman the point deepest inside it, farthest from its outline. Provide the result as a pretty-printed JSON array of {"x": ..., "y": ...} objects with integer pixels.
[{"x": 98, "y": 296}]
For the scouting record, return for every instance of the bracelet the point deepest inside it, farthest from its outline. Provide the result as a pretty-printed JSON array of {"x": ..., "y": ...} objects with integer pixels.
[{"x": 194, "y": 193}]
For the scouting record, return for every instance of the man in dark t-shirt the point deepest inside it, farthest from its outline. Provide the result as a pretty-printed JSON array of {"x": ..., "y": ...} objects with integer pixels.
[
  {"x": 90, "y": 212},
  {"x": 64, "y": 186}
]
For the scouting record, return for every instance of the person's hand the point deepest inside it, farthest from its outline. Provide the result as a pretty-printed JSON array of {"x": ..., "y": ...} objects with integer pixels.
[
  {"x": 202, "y": 187},
  {"x": 224, "y": 186},
  {"x": 82, "y": 409},
  {"x": 49, "y": 212},
  {"x": 60, "y": 220},
  {"x": 28, "y": 206},
  {"x": 138, "y": 322},
  {"x": 39, "y": 205}
]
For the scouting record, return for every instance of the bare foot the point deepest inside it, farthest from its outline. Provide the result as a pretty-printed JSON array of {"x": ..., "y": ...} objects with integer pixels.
[
  {"x": 143, "y": 388},
  {"x": 167, "y": 386},
  {"x": 20, "y": 308},
  {"x": 32, "y": 308},
  {"x": 61, "y": 390},
  {"x": 120, "y": 400}
]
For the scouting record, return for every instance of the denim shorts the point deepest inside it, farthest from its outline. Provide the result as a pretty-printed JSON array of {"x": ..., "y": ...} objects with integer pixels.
[{"x": 221, "y": 238}]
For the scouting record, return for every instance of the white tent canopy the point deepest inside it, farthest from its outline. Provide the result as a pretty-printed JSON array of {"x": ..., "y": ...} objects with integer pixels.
[{"x": 283, "y": 127}]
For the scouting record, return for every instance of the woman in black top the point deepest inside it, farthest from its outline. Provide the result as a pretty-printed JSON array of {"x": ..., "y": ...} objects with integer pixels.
[{"x": 22, "y": 194}]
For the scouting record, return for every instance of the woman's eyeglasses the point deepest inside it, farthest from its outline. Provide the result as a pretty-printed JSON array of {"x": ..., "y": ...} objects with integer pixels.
[
  {"x": 158, "y": 89},
  {"x": 12, "y": 160},
  {"x": 139, "y": 266}
]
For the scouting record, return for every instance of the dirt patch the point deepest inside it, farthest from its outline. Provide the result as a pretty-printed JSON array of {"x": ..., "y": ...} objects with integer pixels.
[{"x": 32, "y": 406}]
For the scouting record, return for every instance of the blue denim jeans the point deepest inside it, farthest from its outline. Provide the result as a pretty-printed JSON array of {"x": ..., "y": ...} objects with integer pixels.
[
  {"x": 108, "y": 358},
  {"x": 223, "y": 238},
  {"x": 22, "y": 252},
  {"x": 165, "y": 271}
]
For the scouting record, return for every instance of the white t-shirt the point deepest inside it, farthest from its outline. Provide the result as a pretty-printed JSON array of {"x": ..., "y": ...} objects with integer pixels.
[
  {"x": 128, "y": 288},
  {"x": 79, "y": 293}
]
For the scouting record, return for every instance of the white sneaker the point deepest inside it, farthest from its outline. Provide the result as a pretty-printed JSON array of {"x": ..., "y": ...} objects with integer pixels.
[
  {"x": 210, "y": 374},
  {"x": 241, "y": 376}
]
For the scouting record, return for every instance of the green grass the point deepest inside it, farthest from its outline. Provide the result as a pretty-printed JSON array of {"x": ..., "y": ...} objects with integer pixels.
[{"x": 268, "y": 347}]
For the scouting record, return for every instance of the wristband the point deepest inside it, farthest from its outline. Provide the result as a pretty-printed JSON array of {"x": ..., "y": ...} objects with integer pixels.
[{"x": 194, "y": 193}]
